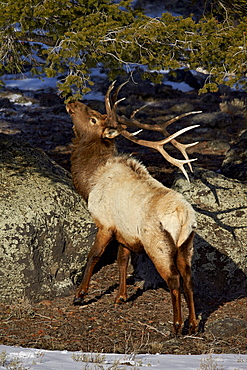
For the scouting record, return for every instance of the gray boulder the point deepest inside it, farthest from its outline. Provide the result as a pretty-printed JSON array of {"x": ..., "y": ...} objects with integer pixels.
[
  {"x": 219, "y": 263},
  {"x": 235, "y": 162},
  {"x": 45, "y": 228}
]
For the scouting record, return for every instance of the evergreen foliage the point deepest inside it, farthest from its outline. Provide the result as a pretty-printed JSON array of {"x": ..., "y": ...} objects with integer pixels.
[
  {"x": 235, "y": 9},
  {"x": 70, "y": 37}
]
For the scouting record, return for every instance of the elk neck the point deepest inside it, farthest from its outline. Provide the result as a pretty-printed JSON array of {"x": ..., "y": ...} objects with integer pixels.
[{"x": 87, "y": 157}]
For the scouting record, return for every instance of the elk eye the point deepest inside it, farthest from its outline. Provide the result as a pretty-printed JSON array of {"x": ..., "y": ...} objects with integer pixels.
[{"x": 93, "y": 120}]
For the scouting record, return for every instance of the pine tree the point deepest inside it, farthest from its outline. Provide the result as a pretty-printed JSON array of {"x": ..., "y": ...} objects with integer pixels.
[{"x": 72, "y": 36}]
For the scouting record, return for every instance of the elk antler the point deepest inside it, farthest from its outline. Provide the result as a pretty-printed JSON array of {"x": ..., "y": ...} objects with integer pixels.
[
  {"x": 120, "y": 122},
  {"x": 162, "y": 128}
]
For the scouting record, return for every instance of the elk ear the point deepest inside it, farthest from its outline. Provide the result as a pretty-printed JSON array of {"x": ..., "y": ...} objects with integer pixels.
[{"x": 110, "y": 133}]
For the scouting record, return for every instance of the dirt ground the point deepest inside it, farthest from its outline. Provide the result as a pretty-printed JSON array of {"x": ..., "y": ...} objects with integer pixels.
[{"x": 143, "y": 324}]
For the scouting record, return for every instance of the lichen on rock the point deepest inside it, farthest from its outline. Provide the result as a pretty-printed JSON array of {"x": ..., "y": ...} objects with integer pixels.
[{"x": 45, "y": 228}]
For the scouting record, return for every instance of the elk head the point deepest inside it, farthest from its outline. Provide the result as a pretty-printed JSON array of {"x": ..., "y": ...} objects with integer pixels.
[
  {"x": 110, "y": 125},
  {"x": 86, "y": 120}
]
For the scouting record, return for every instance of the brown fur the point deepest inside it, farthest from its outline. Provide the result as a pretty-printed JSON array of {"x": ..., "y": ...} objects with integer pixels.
[{"x": 128, "y": 204}]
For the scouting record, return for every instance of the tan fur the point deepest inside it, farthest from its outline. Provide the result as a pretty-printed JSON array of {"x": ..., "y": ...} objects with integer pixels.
[
  {"x": 125, "y": 197},
  {"x": 128, "y": 204}
]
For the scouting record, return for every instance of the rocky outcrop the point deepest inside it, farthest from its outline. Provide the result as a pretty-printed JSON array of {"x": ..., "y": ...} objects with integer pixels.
[
  {"x": 45, "y": 228},
  {"x": 220, "y": 248},
  {"x": 235, "y": 162},
  {"x": 219, "y": 263}
]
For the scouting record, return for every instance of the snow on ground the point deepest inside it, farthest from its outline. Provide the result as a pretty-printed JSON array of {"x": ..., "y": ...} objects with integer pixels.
[
  {"x": 28, "y": 83},
  {"x": 39, "y": 359},
  {"x": 182, "y": 86}
]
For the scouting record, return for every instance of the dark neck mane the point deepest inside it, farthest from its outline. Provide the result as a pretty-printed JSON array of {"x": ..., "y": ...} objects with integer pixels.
[{"x": 87, "y": 157}]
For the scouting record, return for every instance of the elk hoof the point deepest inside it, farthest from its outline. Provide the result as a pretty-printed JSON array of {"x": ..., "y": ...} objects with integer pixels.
[
  {"x": 120, "y": 300},
  {"x": 77, "y": 301},
  {"x": 193, "y": 329},
  {"x": 177, "y": 329}
]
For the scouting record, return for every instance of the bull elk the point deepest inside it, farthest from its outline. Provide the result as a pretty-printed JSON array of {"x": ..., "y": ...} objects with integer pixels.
[{"x": 129, "y": 205}]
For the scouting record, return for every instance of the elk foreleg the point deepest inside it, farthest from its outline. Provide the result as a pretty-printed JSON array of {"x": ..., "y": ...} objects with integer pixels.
[
  {"x": 102, "y": 239},
  {"x": 122, "y": 259},
  {"x": 184, "y": 267}
]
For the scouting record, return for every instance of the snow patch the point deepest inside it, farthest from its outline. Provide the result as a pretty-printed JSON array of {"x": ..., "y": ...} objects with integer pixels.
[{"x": 39, "y": 359}]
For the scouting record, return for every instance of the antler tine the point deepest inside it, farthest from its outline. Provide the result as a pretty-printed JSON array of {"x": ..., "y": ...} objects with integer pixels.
[
  {"x": 177, "y": 162},
  {"x": 138, "y": 110},
  {"x": 115, "y": 95},
  {"x": 158, "y": 145},
  {"x": 116, "y": 102},
  {"x": 167, "y": 123},
  {"x": 181, "y": 147},
  {"x": 109, "y": 112},
  {"x": 112, "y": 102}
]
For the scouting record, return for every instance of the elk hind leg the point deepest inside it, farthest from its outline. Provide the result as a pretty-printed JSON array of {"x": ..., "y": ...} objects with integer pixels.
[
  {"x": 122, "y": 259},
  {"x": 102, "y": 239},
  {"x": 184, "y": 266},
  {"x": 173, "y": 282},
  {"x": 163, "y": 257}
]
